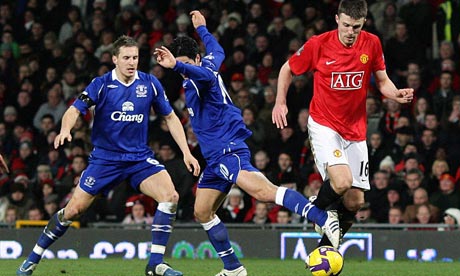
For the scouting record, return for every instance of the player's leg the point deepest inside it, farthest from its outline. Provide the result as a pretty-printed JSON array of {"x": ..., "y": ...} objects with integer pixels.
[
  {"x": 332, "y": 162},
  {"x": 259, "y": 187},
  {"x": 160, "y": 187},
  {"x": 210, "y": 194},
  {"x": 56, "y": 228},
  {"x": 353, "y": 199},
  {"x": 335, "y": 186}
]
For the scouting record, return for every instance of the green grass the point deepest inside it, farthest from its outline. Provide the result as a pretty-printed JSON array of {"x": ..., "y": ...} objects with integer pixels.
[{"x": 256, "y": 267}]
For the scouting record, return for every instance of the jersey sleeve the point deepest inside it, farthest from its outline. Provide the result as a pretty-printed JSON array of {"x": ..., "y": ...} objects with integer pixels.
[
  {"x": 379, "y": 63},
  {"x": 197, "y": 73},
  {"x": 89, "y": 96},
  {"x": 303, "y": 60},
  {"x": 160, "y": 101},
  {"x": 214, "y": 52}
]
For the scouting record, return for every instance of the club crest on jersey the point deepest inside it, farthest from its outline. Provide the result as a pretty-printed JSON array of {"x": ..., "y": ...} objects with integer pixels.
[
  {"x": 141, "y": 91},
  {"x": 89, "y": 181},
  {"x": 347, "y": 80},
  {"x": 337, "y": 153},
  {"x": 364, "y": 58}
]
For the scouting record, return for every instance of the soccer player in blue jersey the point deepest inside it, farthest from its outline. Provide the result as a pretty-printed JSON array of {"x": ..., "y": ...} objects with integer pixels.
[
  {"x": 221, "y": 132},
  {"x": 121, "y": 100}
]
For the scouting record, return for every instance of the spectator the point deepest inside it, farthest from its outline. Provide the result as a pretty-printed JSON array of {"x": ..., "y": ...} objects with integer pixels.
[
  {"x": 377, "y": 152},
  {"x": 421, "y": 108},
  {"x": 452, "y": 218},
  {"x": 284, "y": 216},
  {"x": 261, "y": 214},
  {"x": 11, "y": 214},
  {"x": 418, "y": 16},
  {"x": 314, "y": 184},
  {"x": 17, "y": 197},
  {"x": 50, "y": 205},
  {"x": 385, "y": 23},
  {"x": 399, "y": 50},
  {"x": 438, "y": 168},
  {"x": 447, "y": 196},
  {"x": 54, "y": 105},
  {"x": 263, "y": 164},
  {"x": 27, "y": 160},
  {"x": 420, "y": 197},
  {"x": 395, "y": 215},
  {"x": 234, "y": 208},
  {"x": 442, "y": 98},
  {"x": 137, "y": 215},
  {"x": 423, "y": 216},
  {"x": 257, "y": 140},
  {"x": 77, "y": 166},
  {"x": 35, "y": 213},
  {"x": 25, "y": 108},
  {"x": 364, "y": 214},
  {"x": 378, "y": 195}
]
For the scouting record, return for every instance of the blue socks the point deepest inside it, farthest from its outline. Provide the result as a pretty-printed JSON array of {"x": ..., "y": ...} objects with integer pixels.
[
  {"x": 52, "y": 232},
  {"x": 218, "y": 236},
  {"x": 297, "y": 203},
  {"x": 161, "y": 230}
]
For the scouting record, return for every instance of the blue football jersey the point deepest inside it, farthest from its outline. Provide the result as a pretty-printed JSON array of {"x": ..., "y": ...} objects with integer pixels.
[
  {"x": 121, "y": 114},
  {"x": 215, "y": 120}
]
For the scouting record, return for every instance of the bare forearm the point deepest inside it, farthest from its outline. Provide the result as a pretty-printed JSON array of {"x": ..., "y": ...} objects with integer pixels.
[
  {"x": 69, "y": 119},
  {"x": 388, "y": 89},
  {"x": 284, "y": 81},
  {"x": 177, "y": 132}
]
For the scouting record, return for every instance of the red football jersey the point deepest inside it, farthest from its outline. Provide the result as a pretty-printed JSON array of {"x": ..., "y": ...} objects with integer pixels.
[{"x": 341, "y": 80}]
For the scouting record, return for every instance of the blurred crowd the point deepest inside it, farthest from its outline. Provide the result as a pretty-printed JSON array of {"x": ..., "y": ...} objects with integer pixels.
[{"x": 50, "y": 50}]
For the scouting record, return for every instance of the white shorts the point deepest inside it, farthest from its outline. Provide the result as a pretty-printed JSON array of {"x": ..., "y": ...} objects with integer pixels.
[{"x": 329, "y": 148}]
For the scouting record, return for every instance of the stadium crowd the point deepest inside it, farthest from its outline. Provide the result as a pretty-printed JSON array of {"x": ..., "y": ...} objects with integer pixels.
[{"x": 50, "y": 50}]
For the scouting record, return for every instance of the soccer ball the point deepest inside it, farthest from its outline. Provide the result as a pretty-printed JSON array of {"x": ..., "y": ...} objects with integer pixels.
[{"x": 325, "y": 261}]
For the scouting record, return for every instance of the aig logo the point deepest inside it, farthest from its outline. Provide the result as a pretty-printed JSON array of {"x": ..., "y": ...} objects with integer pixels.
[{"x": 347, "y": 80}]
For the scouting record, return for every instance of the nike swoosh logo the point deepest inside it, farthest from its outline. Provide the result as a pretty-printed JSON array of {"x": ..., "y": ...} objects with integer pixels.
[{"x": 330, "y": 62}]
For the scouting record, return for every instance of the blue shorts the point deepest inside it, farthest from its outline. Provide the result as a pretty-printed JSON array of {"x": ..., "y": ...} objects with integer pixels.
[
  {"x": 222, "y": 174},
  {"x": 101, "y": 177}
]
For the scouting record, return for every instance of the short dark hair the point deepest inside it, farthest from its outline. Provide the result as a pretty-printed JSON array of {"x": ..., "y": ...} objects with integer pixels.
[
  {"x": 123, "y": 41},
  {"x": 356, "y": 9},
  {"x": 184, "y": 46}
]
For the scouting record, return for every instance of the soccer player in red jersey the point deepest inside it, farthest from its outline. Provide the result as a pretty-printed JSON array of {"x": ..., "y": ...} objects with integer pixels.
[{"x": 342, "y": 61}]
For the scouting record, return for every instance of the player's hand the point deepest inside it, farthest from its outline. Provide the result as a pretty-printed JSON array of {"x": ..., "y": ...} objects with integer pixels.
[
  {"x": 279, "y": 115},
  {"x": 3, "y": 166},
  {"x": 192, "y": 164},
  {"x": 197, "y": 19},
  {"x": 405, "y": 95},
  {"x": 60, "y": 139},
  {"x": 164, "y": 57}
]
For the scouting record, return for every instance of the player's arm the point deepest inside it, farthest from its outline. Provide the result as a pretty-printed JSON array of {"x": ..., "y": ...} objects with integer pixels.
[
  {"x": 280, "y": 109},
  {"x": 177, "y": 132},
  {"x": 212, "y": 46},
  {"x": 389, "y": 90},
  {"x": 166, "y": 59},
  {"x": 68, "y": 121}
]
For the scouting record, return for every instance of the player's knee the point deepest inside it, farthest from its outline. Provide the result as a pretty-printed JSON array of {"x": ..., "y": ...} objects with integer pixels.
[
  {"x": 73, "y": 212},
  {"x": 342, "y": 184},
  {"x": 172, "y": 196},
  {"x": 202, "y": 215}
]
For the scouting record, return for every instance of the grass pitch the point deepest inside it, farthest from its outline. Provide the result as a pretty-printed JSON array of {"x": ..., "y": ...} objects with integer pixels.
[{"x": 255, "y": 267}]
